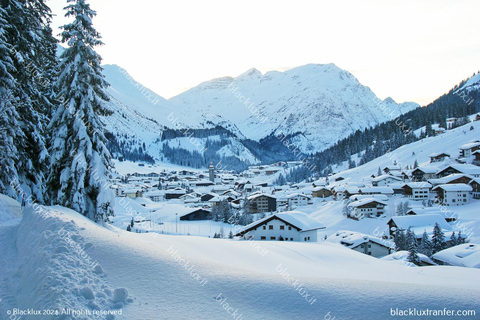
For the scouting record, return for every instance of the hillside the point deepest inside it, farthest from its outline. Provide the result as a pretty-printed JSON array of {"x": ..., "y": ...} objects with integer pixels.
[{"x": 334, "y": 280}]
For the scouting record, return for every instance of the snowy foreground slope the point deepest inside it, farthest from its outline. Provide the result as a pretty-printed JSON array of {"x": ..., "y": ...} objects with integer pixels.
[{"x": 56, "y": 258}]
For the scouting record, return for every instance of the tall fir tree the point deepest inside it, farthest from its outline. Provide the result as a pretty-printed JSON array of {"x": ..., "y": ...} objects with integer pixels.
[
  {"x": 26, "y": 31},
  {"x": 425, "y": 245},
  {"x": 81, "y": 162},
  {"x": 413, "y": 249},
  {"x": 9, "y": 134},
  {"x": 438, "y": 239},
  {"x": 400, "y": 240}
]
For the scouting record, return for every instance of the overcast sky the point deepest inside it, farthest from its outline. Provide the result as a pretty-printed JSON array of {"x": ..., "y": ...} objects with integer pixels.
[{"x": 409, "y": 50}]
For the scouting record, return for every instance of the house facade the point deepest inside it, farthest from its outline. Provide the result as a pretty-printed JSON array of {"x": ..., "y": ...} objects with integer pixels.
[
  {"x": 368, "y": 207},
  {"x": 362, "y": 243},
  {"x": 417, "y": 190},
  {"x": 262, "y": 203},
  {"x": 453, "y": 194},
  {"x": 286, "y": 226}
]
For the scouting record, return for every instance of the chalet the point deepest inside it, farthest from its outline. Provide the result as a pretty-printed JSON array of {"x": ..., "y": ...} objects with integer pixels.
[
  {"x": 195, "y": 215},
  {"x": 285, "y": 226},
  {"x": 362, "y": 243},
  {"x": 424, "y": 173},
  {"x": 475, "y": 184},
  {"x": 298, "y": 200},
  {"x": 438, "y": 157},
  {"x": 132, "y": 193},
  {"x": 384, "y": 180},
  {"x": 462, "y": 255},
  {"x": 217, "y": 200},
  {"x": 350, "y": 191},
  {"x": 155, "y": 195},
  {"x": 271, "y": 171},
  {"x": 193, "y": 197},
  {"x": 319, "y": 183},
  {"x": 321, "y": 192},
  {"x": 466, "y": 150},
  {"x": 439, "y": 130},
  {"x": 453, "y": 194},
  {"x": 451, "y": 122},
  {"x": 477, "y": 118},
  {"x": 432, "y": 210},
  {"x": 368, "y": 207},
  {"x": 451, "y": 179},
  {"x": 262, "y": 203},
  {"x": 380, "y": 197},
  {"x": 476, "y": 160},
  {"x": 174, "y": 193},
  {"x": 419, "y": 224},
  {"x": 391, "y": 169},
  {"x": 417, "y": 190},
  {"x": 469, "y": 169},
  {"x": 376, "y": 190}
]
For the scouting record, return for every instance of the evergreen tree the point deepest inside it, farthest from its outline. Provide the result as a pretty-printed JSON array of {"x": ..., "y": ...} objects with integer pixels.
[
  {"x": 410, "y": 238},
  {"x": 379, "y": 172},
  {"x": 80, "y": 161},
  {"x": 413, "y": 250},
  {"x": 453, "y": 239},
  {"x": 400, "y": 241},
  {"x": 425, "y": 245},
  {"x": 26, "y": 34},
  {"x": 460, "y": 238},
  {"x": 406, "y": 207},
  {"x": 9, "y": 134},
  {"x": 438, "y": 239},
  {"x": 230, "y": 235},
  {"x": 415, "y": 164}
]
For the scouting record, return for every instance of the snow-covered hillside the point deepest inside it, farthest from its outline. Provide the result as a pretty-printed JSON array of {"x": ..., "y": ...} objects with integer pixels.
[{"x": 74, "y": 263}]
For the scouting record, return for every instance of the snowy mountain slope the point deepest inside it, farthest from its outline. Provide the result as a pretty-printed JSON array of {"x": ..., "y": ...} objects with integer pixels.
[
  {"x": 319, "y": 104},
  {"x": 182, "y": 277},
  {"x": 315, "y": 105}
]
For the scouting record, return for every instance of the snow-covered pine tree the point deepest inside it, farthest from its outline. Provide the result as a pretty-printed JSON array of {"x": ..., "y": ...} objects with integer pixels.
[
  {"x": 413, "y": 250},
  {"x": 406, "y": 207},
  {"x": 80, "y": 160},
  {"x": 27, "y": 24},
  {"x": 9, "y": 133},
  {"x": 425, "y": 245},
  {"x": 460, "y": 238},
  {"x": 438, "y": 239},
  {"x": 400, "y": 241},
  {"x": 453, "y": 239},
  {"x": 410, "y": 238}
]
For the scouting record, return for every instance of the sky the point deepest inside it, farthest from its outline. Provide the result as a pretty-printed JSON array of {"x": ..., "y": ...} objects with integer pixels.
[{"x": 410, "y": 50}]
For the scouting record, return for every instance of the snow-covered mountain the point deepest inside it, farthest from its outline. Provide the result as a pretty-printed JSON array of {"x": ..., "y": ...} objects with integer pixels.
[
  {"x": 313, "y": 105},
  {"x": 316, "y": 104}
]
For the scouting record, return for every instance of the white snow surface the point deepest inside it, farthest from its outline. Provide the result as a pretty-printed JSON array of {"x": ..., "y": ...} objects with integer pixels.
[{"x": 46, "y": 269}]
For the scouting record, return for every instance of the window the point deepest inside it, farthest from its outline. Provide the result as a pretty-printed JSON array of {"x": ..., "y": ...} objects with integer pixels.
[
  {"x": 369, "y": 245},
  {"x": 289, "y": 228},
  {"x": 369, "y": 253},
  {"x": 453, "y": 200},
  {"x": 282, "y": 227},
  {"x": 270, "y": 227},
  {"x": 263, "y": 238},
  {"x": 305, "y": 239},
  {"x": 308, "y": 238},
  {"x": 272, "y": 238},
  {"x": 291, "y": 239},
  {"x": 264, "y": 227}
]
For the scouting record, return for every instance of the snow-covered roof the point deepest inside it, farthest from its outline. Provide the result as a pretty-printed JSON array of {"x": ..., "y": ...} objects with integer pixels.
[
  {"x": 365, "y": 201},
  {"x": 418, "y": 185},
  {"x": 449, "y": 178},
  {"x": 259, "y": 195},
  {"x": 293, "y": 195},
  {"x": 380, "y": 197},
  {"x": 436, "y": 154},
  {"x": 383, "y": 190},
  {"x": 352, "y": 239},
  {"x": 384, "y": 177},
  {"x": 463, "y": 255},
  {"x": 421, "y": 223},
  {"x": 297, "y": 219},
  {"x": 464, "y": 168},
  {"x": 469, "y": 145},
  {"x": 428, "y": 169},
  {"x": 454, "y": 187}
]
